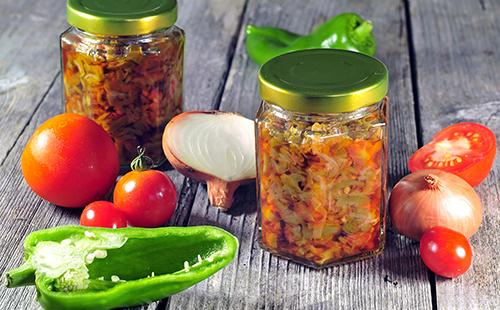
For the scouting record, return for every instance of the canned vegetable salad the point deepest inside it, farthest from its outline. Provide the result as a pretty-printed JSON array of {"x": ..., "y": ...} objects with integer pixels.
[
  {"x": 322, "y": 156},
  {"x": 122, "y": 64}
]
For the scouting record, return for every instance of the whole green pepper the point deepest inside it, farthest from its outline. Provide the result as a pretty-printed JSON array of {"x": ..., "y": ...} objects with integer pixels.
[
  {"x": 346, "y": 31},
  {"x": 76, "y": 267}
]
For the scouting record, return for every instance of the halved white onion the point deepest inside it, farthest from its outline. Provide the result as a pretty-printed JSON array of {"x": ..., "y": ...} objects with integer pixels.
[{"x": 215, "y": 147}]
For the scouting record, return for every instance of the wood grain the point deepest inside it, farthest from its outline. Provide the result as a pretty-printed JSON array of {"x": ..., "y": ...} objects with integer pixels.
[
  {"x": 21, "y": 211},
  {"x": 259, "y": 280},
  {"x": 210, "y": 26},
  {"x": 458, "y": 66},
  {"x": 457, "y": 79},
  {"x": 29, "y": 61}
]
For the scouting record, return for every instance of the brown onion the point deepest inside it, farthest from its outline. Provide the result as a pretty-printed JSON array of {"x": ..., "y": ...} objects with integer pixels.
[{"x": 428, "y": 198}]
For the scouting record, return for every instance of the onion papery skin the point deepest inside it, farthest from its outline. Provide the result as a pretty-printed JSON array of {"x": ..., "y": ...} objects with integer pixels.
[
  {"x": 220, "y": 191},
  {"x": 429, "y": 198}
]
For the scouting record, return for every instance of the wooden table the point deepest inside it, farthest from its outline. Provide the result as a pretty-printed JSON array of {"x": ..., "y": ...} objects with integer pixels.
[{"x": 444, "y": 67}]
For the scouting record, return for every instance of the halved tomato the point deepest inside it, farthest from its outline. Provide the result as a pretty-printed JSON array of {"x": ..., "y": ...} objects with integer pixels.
[{"x": 465, "y": 149}]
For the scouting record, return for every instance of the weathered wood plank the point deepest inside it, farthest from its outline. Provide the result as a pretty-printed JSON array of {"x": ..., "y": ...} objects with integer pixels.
[
  {"x": 23, "y": 212},
  {"x": 29, "y": 61},
  {"x": 210, "y": 27},
  {"x": 24, "y": 79},
  {"x": 208, "y": 52},
  {"x": 458, "y": 66},
  {"x": 259, "y": 280}
]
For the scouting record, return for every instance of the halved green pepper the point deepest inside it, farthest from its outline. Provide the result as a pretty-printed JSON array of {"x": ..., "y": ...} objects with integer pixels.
[
  {"x": 345, "y": 31},
  {"x": 76, "y": 267}
]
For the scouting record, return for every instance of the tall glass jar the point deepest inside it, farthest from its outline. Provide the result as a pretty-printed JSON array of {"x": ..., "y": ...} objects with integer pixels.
[
  {"x": 322, "y": 156},
  {"x": 122, "y": 65}
]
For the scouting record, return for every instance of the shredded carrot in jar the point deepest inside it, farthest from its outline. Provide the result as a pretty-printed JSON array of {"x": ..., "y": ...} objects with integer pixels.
[
  {"x": 131, "y": 88},
  {"x": 321, "y": 187}
]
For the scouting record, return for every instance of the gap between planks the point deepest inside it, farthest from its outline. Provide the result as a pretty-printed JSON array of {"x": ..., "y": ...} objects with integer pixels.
[
  {"x": 234, "y": 98},
  {"x": 216, "y": 105},
  {"x": 192, "y": 186},
  {"x": 230, "y": 57},
  {"x": 188, "y": 190},
  {"x": 418, "y": 120}
]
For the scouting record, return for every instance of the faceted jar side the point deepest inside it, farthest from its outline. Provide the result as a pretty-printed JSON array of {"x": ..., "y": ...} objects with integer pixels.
[
  {"x": 130, "y": 85},
  {"x": 322, "y": 184}
]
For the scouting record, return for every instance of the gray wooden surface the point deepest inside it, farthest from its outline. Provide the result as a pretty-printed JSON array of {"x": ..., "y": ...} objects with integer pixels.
[
  {"x": 458, "y": 74},
  {"x": 444, "y": 68}
]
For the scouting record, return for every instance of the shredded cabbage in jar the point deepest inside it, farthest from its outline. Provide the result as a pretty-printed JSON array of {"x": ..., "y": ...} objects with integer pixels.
[
  {"x": 321, "y": 186},
  {"x": 130, "y": 88}
]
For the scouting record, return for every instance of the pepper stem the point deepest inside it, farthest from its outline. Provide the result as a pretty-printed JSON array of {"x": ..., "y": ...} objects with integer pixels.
[
  {"x": 141, "y": 162},
  {"x": 21, "y": 276},
  {"x": 364, "y": 29}
]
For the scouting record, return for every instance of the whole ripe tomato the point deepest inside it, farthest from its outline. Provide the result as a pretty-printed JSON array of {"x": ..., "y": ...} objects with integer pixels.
[
  {"x": 446, "y": 252},
  {"x": 70, "y": 161},
  {"x": 148, "y": 198},
  {"x": 465, "y": 149},
  {"x": 102, "y": 214}
]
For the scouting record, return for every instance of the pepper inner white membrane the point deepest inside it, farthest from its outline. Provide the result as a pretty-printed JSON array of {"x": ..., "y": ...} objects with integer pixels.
[
  {"x": 67, "y": 261},
  {"x": 222, "y": 145}
]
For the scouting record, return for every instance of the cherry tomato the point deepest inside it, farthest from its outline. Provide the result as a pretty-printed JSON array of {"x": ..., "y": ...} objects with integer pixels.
[
  {"x": 103, "y": 214},
  {"x": 465, "y": 149},
  {"x": 147, "y": 198},
  {"x": 445, "y": 251},
  {"x": 70, "y": 161}
]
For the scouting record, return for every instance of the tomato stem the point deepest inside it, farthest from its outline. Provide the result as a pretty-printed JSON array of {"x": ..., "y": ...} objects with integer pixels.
[{"x": 141, "y": 162}]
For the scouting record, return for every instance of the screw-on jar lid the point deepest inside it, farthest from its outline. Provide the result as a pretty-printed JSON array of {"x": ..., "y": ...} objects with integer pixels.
[
  {"x": 125, "y": 17},
  {"x": 323, "y": 81}
]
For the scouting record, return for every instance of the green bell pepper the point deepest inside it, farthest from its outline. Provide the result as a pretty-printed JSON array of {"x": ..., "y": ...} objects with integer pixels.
[
  {"x": 76, "y": 267},
  {"x": 346, "y": 31}
]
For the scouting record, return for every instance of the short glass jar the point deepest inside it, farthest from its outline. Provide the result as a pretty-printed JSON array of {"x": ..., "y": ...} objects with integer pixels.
[
  {"x": 322, "y": 156},
  {"x": 122, "y": 65}
]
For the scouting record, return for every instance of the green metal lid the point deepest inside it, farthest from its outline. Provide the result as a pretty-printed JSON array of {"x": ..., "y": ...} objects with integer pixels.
[
  {"x": 121, "y": 17},
  {"x": 323, "y": 81}
]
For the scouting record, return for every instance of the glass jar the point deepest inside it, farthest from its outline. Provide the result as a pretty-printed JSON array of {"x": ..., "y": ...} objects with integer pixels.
[
  {"x": 322, "y": 156},
  {"x": 122, "y": 65}
]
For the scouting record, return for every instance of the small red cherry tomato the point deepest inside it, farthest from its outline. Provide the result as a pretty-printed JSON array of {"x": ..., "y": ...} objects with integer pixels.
[
  {"x": 102, "y": 214},
  {"x": 446, "y": 252},
  {"x": 148, "y": 198}
]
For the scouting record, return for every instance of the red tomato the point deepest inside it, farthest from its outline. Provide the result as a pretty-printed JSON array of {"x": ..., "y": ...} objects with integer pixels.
[
  {"x": 70, "y": 161},
  {"x": 446, "y": 252},
  {"x": 103, "y": 214},
  {"x": 147, "y": 198},
  {"x": 465, "y": 149}
]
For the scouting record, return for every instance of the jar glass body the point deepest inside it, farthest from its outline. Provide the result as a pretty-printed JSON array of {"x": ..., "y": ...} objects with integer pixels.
[
  {"x": 321, "y": 183},
  {"x": 130, "y": 85}
]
